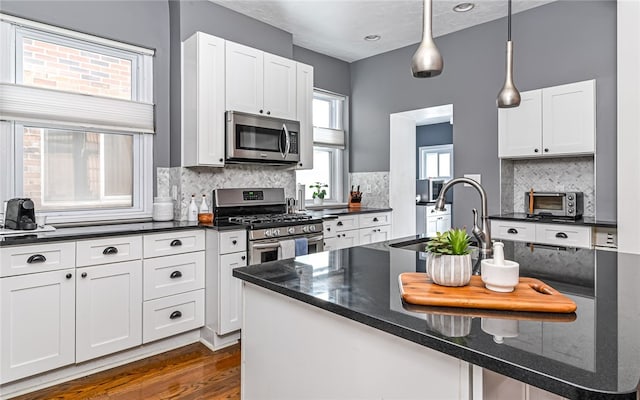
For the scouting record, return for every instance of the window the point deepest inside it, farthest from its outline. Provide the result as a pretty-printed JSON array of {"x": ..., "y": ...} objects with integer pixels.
[
  {"x": 329, "y": 144},
  {"x": 436, "y": 162},
  {"x": 75, "y": 109}
]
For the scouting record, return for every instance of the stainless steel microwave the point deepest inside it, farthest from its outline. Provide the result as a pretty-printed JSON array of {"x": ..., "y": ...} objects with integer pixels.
[{"x": 257, "y": 138}]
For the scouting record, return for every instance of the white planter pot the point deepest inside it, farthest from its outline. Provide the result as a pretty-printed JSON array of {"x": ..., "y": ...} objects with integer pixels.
[
  {"x": 317, "y": 201},
  {"x": 448, "y": 270}
]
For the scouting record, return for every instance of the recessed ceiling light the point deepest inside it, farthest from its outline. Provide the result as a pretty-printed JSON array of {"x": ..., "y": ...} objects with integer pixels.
[
  {"x": 463, "y": 7},
  {"x": 372, "y": 38}
]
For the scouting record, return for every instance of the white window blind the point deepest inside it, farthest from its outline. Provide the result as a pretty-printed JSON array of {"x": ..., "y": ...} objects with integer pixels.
[
  {"x": 328, "y": 137},
  {"x": 328, "y": 124},
  {"x": 48, "y": 106}
]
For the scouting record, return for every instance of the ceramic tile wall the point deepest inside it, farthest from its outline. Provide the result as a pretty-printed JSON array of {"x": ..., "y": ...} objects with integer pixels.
[
  {"x": 571, "y": 174},
  {"x": 202, "y": 180},
  {"x": 379, "y": 181}
]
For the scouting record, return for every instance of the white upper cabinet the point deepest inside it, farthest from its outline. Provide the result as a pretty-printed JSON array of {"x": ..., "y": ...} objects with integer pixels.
[
  {"x": 204, "y": 101},
  {"x": 304, "y": 99},
  {"x": 259, "y": 82},
  {"x": 554, "y": 121}
]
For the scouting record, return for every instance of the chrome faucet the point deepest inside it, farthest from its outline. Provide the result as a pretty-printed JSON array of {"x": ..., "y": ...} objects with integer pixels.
[{"x": 482, "y": 233}]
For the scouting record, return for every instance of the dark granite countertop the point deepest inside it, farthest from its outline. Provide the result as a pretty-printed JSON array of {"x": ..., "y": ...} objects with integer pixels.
[
  {"x": 523, "y": 217},
  {"x": 92, "y": 231},
  {"x": 592, "y": 354},
  {"x": 336, "y": 212}
]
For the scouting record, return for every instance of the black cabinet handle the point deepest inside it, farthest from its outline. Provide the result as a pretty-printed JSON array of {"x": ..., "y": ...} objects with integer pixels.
[
  {"x": 512, "y": 231},
  {"x": 375, "y": 219},
  {"x": 175, "y": 314},
  {"x": 260, "y": 111},
  {"x": 176, "y": 242},
  {"x": 546, "y": 150},
  {"x": 68, "y": 276},
  {"x": 339, "y": 223},
  {"x": 221, "y": 160},
  {"x": 84, "y": 275},
  {"x": 175, "y": 275},
  {"x": 268, "y": 112},
  {"x": 36, "y": 258},
  {"x": 561, "y": 235},
  {"x": 109, "y": 251},
  {"x": 328, "y": 229},
  {"x": 535, "y": 150},
  {"x": 234, "y": 242},
  {"x": 244, "y": 257}
]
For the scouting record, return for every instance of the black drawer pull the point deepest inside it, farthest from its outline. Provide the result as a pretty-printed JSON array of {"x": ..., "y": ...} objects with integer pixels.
[
  {"x": 68, "y": 276},
  {"x": 243, "y": 257},
  {"x": 176, "y": 242},
  {"x": 110, "y": 250},
  {"x": 512, "y": 231},
  {"x": 36, "y": 258},
  {"x": 375, "y": 219},
  {"x": 339, "y": 223},
  {"x": 84, "y": 275},
  {"x": 561, "y": 235},
  {"x": 175, "y": 314},
  {"x": 175, "y": 275},
  {"x": 234, "y": 242},
  {"x": 328, "y": 229}
]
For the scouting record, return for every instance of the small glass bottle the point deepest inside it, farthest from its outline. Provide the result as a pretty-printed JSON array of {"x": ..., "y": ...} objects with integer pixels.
[
  {"x": 192, "y": 213},
  {"x": 204, "y": 216}
]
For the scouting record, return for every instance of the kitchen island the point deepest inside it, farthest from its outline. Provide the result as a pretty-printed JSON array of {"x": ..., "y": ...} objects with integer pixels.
[{"x": 332, "y": 325}]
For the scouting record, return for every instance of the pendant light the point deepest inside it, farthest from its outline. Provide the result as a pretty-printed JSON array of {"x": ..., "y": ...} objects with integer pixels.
[
  {"x": 509, "y": 95},
  {"x": 427, "y": 61}
]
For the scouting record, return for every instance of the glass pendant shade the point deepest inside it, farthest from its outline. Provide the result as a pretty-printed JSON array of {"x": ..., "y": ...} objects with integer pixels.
[{"x": 427, "y": 61}]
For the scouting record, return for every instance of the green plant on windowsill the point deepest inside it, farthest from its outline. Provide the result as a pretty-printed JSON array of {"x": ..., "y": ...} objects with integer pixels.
[
  {"x": 319, "y": 191},
  {"x": 453, "y": 242}
]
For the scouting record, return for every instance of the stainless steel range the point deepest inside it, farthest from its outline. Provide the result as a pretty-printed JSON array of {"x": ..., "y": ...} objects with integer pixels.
[{"x": 271, "y": 232}]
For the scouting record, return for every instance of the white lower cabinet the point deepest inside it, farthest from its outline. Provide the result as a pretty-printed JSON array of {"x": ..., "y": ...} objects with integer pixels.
[
  {"x": 172, "y": 314},
  {"x": 374, "y": 235},
  {"x": 348, "y": 239},
  {"x": 109, "y": 309},
  {"x": 500, "y": 387},
  {"x": 230, "y": 304},
  {"x": 535, "y": 232},
  {"x": 37, "y": 328},
  {"x": 356, "y": 229}
]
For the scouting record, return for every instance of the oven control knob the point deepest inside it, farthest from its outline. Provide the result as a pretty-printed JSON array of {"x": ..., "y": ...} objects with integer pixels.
[
  {"x": 571, "y": 211},
  {"x": 268, "y": 233},
  {"x": 275, "y": 232},
  {"x": 312, "y": 228},
  {"x": 570, "y": 204},
  {"x": 570, "y": 197},
  {"x": 305, "y": 229},
  {"x": 291, "y": 230}
]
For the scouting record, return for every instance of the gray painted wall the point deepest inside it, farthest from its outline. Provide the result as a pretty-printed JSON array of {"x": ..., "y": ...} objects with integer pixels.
[
  {"x": 328, "y": 73},
  {"x": 554, "y": 44},
  {"x": 143, "y": 23}
]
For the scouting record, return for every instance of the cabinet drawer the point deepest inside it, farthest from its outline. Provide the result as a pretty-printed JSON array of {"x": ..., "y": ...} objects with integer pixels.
[
  {"x": 164, "y": 244},
  {"x": 21, "y": 260},
  {"x": 369, "y": 220},
  {"x": 166, "y": 276},
  {"x": 233, "y": 241},
  {"x": 330, "y": 227},
  {"x": 108, "y": 250},
  {"x": 171, "y": 315},
  {"x": 347, "y": 223},
  {"x": 564, "y": 235},
  {"x": 524, "y": 232}
]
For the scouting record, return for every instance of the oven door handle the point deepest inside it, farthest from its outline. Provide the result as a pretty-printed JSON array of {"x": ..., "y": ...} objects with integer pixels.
[{"x": 262, "y": 246}]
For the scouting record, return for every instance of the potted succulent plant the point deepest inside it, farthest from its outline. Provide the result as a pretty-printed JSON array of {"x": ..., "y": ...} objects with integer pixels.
[
  {"x": 319, "y": 192},
  {"x": 449, "y": 258}
]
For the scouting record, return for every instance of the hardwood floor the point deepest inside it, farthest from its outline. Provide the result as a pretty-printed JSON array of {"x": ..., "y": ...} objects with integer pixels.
[{"x": 192, "y": 372}]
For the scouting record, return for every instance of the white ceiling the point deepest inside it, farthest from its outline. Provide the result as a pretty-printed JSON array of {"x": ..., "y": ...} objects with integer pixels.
[{"x": 337, "y": 27}]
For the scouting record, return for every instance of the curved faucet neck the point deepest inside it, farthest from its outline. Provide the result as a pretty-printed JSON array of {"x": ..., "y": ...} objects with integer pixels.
[{"x": 476, "y": 185}]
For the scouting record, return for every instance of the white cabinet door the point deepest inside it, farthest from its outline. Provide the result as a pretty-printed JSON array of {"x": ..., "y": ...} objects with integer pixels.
[
  {"x": 366, "y": 236},
  {"x": 432, "y": 225},
  {"x": 279, "y": 87},
  {"x": 382, "y": 233},
  {"x": 204, "y": 100},
  {"x": 348, "y": 239},
  {"x": 38, "y": 323},
  {"x": 244, "y": 78},
  {"x": 109, "y": 309},
  {"x": 331, "y": 243},
  {"x": 230, "y": 292},
  {"x": 304, "y": 109},
  {"x": 443, "y": 223},
  {"x": 520, "y": 128},
  {"x": 569, "y": 118}
]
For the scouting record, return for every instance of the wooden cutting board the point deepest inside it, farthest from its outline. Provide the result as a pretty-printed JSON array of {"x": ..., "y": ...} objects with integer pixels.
[{"x": 529, "y": 295}]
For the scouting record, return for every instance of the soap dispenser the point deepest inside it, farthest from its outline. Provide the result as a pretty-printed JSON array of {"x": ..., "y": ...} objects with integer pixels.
[{"x": 498, "y": 274}]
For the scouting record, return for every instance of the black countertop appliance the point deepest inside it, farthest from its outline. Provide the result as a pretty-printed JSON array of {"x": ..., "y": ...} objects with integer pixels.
[{"x": 20, "y": 215}]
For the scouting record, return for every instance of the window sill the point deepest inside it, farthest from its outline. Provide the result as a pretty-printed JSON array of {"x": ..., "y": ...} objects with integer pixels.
[{"x": 326, "y": 206}]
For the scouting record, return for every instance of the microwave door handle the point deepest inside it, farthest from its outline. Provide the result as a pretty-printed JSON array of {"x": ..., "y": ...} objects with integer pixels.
[{"x": 287, "y": 139}]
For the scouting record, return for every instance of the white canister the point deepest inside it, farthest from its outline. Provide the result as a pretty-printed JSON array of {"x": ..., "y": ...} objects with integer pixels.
[{"x": 162, "y": 209}]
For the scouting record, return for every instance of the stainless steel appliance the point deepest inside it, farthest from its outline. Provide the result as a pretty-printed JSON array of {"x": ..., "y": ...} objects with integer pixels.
[
  {"x": 264, "y": 212},
  {"x": 257, "y": 138},
  {"x": 435, "y": 186},
  {"x": 554, "y": 204}
]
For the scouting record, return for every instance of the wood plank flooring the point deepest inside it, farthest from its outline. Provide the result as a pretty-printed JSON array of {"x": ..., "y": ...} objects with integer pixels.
[{"x": 192, "y": 372}]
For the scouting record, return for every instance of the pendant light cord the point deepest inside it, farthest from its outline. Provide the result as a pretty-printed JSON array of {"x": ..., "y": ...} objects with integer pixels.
[{"x": 509, "y": 23}]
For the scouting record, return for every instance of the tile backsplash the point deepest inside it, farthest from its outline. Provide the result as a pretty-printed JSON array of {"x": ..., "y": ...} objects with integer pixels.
[
  {"x": 575, "y": 174},
  {"x": 379, "y": 182},
  {"x": 202, "y": 180}
]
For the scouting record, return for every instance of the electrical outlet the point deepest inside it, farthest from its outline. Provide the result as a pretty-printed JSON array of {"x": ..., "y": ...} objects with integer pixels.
[
  {"x": 368, "y": 189},
  {"x": 475, "y": 177}
]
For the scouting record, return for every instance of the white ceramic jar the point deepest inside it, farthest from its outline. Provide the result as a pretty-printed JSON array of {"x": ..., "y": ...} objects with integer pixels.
[{"x": 162, "y": 209}]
